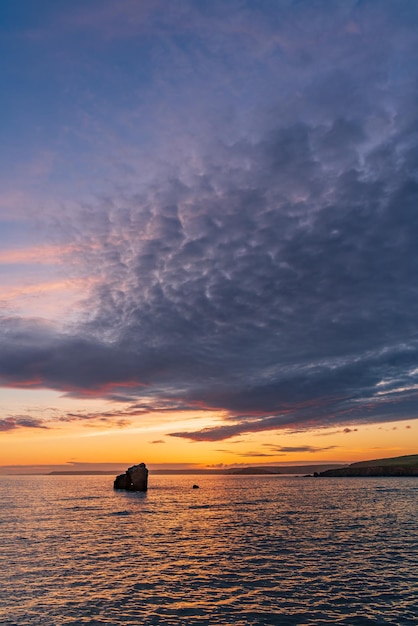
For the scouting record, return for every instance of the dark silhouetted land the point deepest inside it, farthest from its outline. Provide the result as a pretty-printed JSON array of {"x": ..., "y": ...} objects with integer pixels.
[{"x": 397, "y": 466}]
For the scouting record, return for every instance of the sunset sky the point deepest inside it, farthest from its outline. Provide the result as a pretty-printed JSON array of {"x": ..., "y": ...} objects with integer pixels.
[{"x": 208, "y": 232}]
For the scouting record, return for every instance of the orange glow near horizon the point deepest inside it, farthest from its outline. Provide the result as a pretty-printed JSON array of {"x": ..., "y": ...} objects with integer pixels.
[{"x": 145, "y": 437}]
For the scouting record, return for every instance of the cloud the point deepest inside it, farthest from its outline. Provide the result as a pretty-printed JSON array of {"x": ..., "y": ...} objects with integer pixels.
[
  {"x": 20, "y": 421},
  {"x": 256, "y": 454},
  {"x": 302, "y": 448},
  {"x": 289, "y": 305},
  {"x": 267, "y": 272}
]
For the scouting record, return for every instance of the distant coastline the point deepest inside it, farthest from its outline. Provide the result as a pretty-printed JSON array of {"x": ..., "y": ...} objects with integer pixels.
[
  {"x": 396, "y": 466},
  {"x": 246, "y": 471}
]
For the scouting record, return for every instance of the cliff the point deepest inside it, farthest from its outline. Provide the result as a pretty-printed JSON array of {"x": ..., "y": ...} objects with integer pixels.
[{"x": 397, "y": 466}]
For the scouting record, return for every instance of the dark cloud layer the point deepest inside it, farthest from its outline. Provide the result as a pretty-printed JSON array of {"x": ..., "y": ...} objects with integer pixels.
[
  {"x": 20, "y": 421},
  {"x": 301, "y": 448},
  {"x": 274, "y": 277}
]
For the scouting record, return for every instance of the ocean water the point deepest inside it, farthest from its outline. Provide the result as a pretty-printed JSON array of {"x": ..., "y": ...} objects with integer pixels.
[{"x": 239, "y": 550}]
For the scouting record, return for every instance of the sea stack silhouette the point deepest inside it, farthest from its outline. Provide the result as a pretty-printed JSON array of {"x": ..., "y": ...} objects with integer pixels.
[{"x": 134, "y": 479}]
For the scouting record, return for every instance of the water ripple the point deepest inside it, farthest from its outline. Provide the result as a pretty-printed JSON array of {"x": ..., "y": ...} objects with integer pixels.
[{"x": 243, "y": 551}]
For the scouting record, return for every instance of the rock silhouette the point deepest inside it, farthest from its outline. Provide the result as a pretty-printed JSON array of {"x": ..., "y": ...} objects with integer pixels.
[{"x": 134, "y": 479}]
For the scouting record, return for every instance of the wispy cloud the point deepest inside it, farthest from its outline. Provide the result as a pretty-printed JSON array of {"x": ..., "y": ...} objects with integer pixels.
[
  {"x": 20, "y": 421},
  {"x": 39, "y": 254},
  {"x": 292, "y": 449}
]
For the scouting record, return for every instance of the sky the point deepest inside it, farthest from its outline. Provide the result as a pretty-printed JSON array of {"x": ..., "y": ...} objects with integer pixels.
[{"x": 208, "y": 232}]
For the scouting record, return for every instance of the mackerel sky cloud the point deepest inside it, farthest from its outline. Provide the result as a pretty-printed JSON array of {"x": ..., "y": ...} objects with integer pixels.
[{"x": 212, "y": 206}]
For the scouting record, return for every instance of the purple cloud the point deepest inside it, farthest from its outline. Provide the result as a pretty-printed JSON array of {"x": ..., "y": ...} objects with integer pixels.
[
  {"x": 254, "y": 253},
  {"x": 20, "y": 421}
]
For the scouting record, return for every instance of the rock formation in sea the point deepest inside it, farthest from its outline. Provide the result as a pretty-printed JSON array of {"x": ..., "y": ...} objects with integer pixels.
[{"x": 134, "y": 479}]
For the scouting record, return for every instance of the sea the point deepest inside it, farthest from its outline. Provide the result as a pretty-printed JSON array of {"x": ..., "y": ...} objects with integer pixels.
[{"x": 240, "y": 550}]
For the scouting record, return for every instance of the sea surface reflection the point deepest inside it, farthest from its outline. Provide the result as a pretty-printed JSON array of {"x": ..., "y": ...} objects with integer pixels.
[{"x": 240, "y": 550}]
